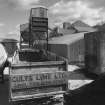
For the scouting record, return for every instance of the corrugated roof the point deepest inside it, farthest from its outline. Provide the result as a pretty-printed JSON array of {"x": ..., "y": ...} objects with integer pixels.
[
  {"x": 84, "y": 29},
  {"x": 80, "y": 26},
  {"x": 80, "y": 23},
  {"x": 67, "y": 39},
  {"x": 66, "y": 31}
]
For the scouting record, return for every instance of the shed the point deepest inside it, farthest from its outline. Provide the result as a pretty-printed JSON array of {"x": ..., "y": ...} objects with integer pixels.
[
  {"x": 80, "y": 26},
  {"x": 70, "y": 47}
]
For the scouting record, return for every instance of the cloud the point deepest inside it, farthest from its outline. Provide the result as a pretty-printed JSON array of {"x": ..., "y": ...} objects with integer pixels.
[
  {"x": 16, "y": 30},
  {"x": 2, "y": 24},
  {"x": 15, "y": 34},
  {"x": 1, "y": 34},
  {"x": 27, "y": 2},
  {"x": 97, "y": 3},
  {"x": 76, "y": 10},
  {"x": 24, "y": 4},
  {"x": 1, "y": 30}
]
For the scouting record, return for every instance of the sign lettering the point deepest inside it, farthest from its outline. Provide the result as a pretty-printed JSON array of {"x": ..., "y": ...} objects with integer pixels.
[{"x": 38, "y": 80}]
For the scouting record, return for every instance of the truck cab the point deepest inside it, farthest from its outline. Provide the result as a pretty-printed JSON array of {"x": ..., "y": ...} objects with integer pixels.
[{"x": 35, "y": 72}]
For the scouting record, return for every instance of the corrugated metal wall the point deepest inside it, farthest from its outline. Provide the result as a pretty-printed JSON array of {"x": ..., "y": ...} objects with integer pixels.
[
  {"x": 90, "y": 51},
  {"x": 69, "y": 46},
  {"x": 59, "y": 49},
  {"x": 95, "y": 52},
  {"x": 76, "y": 52}
]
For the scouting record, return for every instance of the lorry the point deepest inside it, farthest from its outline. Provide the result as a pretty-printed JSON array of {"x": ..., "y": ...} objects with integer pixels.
[{"x": 35, "y": 73}]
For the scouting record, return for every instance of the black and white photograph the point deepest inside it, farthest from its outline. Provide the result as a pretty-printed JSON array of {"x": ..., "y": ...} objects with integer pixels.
[{"x": 52, "y": 52}]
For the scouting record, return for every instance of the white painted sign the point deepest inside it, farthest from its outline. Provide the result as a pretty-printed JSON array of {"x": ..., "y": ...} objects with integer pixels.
[{"x": 38, "y": 80}]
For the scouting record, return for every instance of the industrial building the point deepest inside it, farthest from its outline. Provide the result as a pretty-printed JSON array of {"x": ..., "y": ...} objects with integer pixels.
[
  {"x": 67, "y": 29},
  {"x": 82, "y": 27},
  {"x": 69, "y": 46},
  {"x": 95, "y": 52}
]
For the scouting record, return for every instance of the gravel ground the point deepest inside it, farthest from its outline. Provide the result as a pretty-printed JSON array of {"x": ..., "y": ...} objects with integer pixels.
[{"x": 91, "y": 94}]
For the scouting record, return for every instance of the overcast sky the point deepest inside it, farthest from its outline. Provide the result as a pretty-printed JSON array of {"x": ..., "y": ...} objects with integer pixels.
[{"x": 16, "y": 12}]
